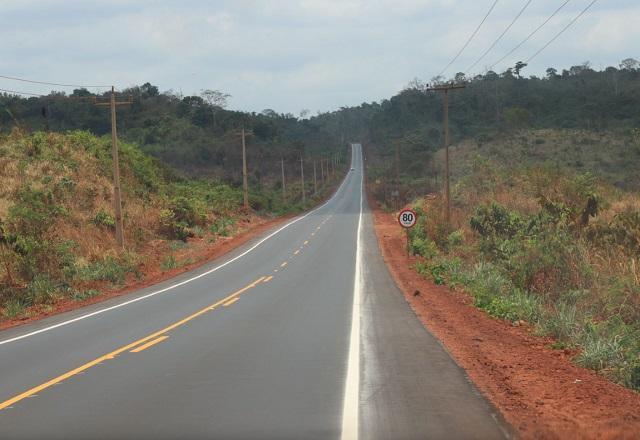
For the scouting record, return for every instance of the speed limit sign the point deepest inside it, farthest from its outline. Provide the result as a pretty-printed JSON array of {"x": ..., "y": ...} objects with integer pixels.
[{"x": 407, "y": 218}]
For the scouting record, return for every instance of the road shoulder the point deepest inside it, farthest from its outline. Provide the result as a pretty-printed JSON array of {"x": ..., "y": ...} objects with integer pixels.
[
  {"x": 537, "y": 389},
  {"x": 410, "y": 385}
]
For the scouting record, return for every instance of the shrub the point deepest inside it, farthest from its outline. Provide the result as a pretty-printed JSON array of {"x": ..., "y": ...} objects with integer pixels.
[
  {"x": 103, "y": 218},
  {"x": 455, "y": 239},
  {"x": 423, "y": 247},
  {"x": 222, "y": 226},
  {"x": 42, "y": 290},
  {"x": 13, "y": 308},
  {"x": 172, "y": 228},
  {"x": 110, "y": 269},
  {"x": 34, "y": 211}
]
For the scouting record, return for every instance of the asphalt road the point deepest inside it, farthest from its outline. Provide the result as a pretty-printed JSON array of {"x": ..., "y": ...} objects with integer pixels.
[{"x": 300, "y": 334}]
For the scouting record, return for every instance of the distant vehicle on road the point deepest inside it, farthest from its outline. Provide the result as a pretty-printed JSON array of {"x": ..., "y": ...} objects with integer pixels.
[{"x": 352, "y": 169}]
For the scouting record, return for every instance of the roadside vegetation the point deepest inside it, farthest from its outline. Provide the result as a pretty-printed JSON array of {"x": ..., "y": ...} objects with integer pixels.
[
  {"x": 557, "y": 249},
  {"x": 545, "y": 210},
  {"x": 57, "y": 226}
]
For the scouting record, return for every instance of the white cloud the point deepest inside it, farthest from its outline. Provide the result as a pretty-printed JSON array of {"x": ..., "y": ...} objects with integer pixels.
[{"x": 289, "y": 55}]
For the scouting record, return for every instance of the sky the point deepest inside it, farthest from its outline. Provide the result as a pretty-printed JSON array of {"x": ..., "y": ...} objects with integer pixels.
[{"x": 288, "y": 56}]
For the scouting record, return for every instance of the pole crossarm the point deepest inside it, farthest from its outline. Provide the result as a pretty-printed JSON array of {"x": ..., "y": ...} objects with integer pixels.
[{"x": 446, "y": 87}]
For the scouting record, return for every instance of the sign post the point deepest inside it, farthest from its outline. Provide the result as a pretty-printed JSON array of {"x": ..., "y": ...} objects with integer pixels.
[{"x": 407, "y": 219}]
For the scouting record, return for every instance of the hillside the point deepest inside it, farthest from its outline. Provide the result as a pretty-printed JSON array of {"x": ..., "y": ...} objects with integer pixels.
[{"x": 57, "y": 229}]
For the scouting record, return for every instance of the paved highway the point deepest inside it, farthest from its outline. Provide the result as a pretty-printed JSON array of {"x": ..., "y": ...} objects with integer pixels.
[{"x": 300, "y": 334}]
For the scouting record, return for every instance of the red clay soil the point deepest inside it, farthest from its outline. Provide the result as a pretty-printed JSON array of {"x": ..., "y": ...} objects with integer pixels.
[
  {"x": 537, "y": 389},
  {"x": 198, "y": 252}
]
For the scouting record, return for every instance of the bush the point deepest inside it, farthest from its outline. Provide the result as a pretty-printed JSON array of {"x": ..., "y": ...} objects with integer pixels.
[
  {"x": 423, "y": 247},
  {"x": 42, "y": 290},
  {"x": 110, "y": 269},
  {"x": 455, "y": 239},
  {"x": 13, "y": 308},
  {"x": 172, "y": 228},
  {"x": 34, "y": 211},
  {"x": 222, "y": 226},
  {"x": 103, "y": 218}
]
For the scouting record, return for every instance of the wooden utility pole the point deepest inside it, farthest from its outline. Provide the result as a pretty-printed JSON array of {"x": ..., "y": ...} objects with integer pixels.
[
  {"x": 117, "y": 201},
  {"x": 245, "y": 182},
  {"x": 322, "y": 169},
  {"x": 396, "y": 195},
  {"x": 302, "y": 178},
  {"x": 284, "y": 190},
  {"x": 445, "y": 102},
  {"x": 315, "y": 181}
]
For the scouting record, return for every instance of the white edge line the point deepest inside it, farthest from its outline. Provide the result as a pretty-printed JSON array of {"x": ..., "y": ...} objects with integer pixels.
[
  {"x": 350, "y": 410},
  {"x": 173, "y": 286}
]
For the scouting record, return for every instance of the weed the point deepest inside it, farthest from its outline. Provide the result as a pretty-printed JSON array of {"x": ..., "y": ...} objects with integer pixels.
[
  {"x": 600, "y": 352},
  {"x": 169, "y": 263},
  {"x": 109, "y": 268},
  {"x": 85, "y": 294},
  {"x": 42, "y": 290},
  {"x": 562, "y": 322},
  {"x": 13, "y": 308}
]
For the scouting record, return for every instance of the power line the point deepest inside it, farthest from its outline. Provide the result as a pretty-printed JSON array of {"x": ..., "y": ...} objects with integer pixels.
[
  {"x": 562, "y": 31},
  {"x": 470, "y": 38},
  {"x": 15, "y": 78},
  {"x": 530, "y": 35},
  {"x": 499, "y": 38},
  {"x": 20, "y": 93}
]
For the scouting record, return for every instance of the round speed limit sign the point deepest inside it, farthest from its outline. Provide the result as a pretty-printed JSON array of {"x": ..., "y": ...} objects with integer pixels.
[{"x": 407, "y": 218}]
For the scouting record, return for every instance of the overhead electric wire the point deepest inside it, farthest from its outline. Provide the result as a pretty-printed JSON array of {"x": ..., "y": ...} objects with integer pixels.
[
  {"x": 470, "y": 38},
  {"x": 15, "y": 78},
  {"x": 497, "y": 40},
  {"x": 20, "y": 93},
  {"x": 530, "y": 35},
  {"x": 561, "y": 31}
]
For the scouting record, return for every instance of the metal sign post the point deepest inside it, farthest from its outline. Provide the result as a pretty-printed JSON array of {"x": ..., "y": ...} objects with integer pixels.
[{"x": 407, "y": 219}]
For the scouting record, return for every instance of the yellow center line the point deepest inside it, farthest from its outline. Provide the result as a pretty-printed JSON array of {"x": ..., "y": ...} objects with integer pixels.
[
  {"x": 148, "y": 344},
  {"x": 306, "y": 242},
  {"x": 313, "y": 233},
  {"x": 231, "y": 301},
  {"x": 114, "y": 353},
  {"x": 296, "y": 252},
  {"x": 267, "y": 279},
  {"x": 284, "y": 264}
]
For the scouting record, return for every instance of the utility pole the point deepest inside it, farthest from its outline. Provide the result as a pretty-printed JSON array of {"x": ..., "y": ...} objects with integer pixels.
[
  {"x": 284, "y": 191},
  {"x": 315, "y": 181},
  {"x": 322, "y": 169},
  {"x": 117, "y": 202},
  {"x": 396, "y": 199},
  {"x": 447, "y": 191},
  {"x": 302, "y": 178},
  {"x": 245, "y": 183}
]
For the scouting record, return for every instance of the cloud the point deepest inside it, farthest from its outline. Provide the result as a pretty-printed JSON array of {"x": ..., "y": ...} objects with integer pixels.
[{"x": 289, "y": 55}]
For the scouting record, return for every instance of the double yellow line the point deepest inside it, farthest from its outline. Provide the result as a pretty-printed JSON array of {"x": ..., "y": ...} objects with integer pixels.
[{"x": 135, "y": 347}]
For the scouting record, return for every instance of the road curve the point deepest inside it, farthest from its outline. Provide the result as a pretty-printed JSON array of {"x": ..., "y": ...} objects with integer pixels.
[{"x": 299, "y": 334}]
